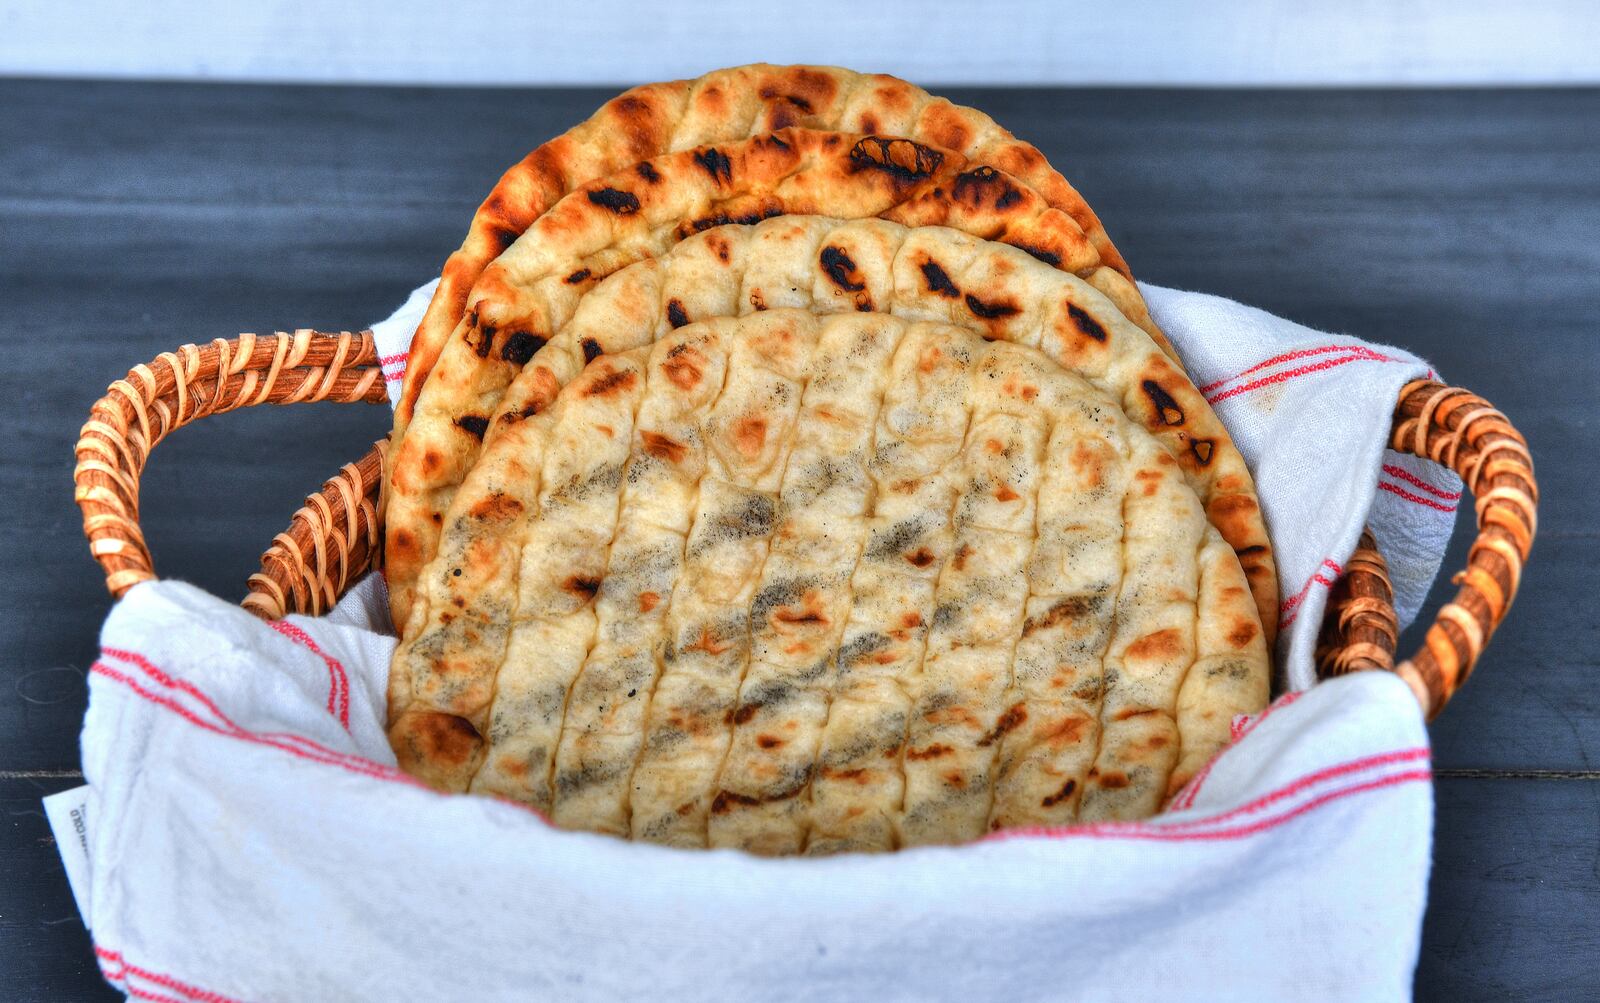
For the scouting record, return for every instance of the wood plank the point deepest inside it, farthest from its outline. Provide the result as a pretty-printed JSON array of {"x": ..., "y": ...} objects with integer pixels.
[
  {"x": 1459, "y": 224},
  {"x": 1511, "y": 903},
  {"x": 213, "y": 494},
  {"x": 45, "y": 952},
  {"x": 150, "y": 144},
  {"x": 1351, "y": 211},
  {"x": 1532, "y": 702}
]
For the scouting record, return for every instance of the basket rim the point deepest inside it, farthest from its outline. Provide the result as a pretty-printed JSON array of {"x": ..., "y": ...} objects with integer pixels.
[{"x": 335, "y": 536}]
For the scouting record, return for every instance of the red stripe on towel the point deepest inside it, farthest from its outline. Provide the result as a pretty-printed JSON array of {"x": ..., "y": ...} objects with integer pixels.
[
  {"x": 315, "y": 753},
  {"x": 144, "y": 665},
  {"x": 308, "y": 749},
  {"x": 1294, "y": 787},
  {"x": 1303, "y": 353},
  {"x": 1196, "y": 831},
  {"x": 124, "y": 967},
  {"x": 1289, "y": 608},
  {"x": 1415, "y": 481},
  {"x": 339, "y": 680},
  {"x": 1185, "y": 798},
  {"x": 1358, "y": 355},
  {"x": 1396, "y": 489}
]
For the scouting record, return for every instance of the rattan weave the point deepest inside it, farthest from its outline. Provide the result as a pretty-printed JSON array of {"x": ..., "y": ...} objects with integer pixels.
[{"x": 333, "y": 538}]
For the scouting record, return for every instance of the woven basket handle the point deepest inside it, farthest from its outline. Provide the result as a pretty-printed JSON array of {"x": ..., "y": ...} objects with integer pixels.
[
  {"x": 140, "y": 410},
  {"x": 1460, "y": 430},
  {"x": 334, "y": 537},
  {"x": 1359, "y": 633}
]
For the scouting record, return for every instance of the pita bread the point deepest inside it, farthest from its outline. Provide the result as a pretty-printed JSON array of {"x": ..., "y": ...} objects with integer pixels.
[
  {"x": 723, "y": 106},
  {"x": 829, "y": 265},
  {"x": 530, "y": 290},
  {"x": 813, "y": 583}
]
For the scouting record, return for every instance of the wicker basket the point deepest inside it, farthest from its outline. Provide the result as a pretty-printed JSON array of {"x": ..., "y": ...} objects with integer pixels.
[{"x": 335, "y": 537}]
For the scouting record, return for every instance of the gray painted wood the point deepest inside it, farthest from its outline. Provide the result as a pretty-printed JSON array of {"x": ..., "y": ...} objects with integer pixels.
[
  {"x": 45, "y": 953},
  {"x": 1464, "y": 225},
  {"x": 1512, "y": 902}
]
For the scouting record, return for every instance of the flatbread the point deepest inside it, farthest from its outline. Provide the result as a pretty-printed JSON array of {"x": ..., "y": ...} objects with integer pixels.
[
  {"x": 801, "y": 583},
  {"x": 829, "y": 265},
  {"x": 610, "y": 222},
  {"x": 722, "y": 106}
]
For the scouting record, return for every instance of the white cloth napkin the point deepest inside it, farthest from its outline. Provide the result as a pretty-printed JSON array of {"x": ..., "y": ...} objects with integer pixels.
[{"x": 249, "y": 838}]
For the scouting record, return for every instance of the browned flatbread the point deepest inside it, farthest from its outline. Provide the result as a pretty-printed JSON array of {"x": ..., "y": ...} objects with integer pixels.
[
  {"x": 816, "y": 583},
  {"x": 613, "y": 221},
  {"x": 722, "y": 106},
  {"x": 829, "y": 265}
]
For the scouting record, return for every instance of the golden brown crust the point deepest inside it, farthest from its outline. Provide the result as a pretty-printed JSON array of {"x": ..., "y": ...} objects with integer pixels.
[
  {"x": 929, "y": 273},
  {"x": 724, "y": 105},
  {"x": 612, "y": 221},
  {"x": 811, "y": 583}
]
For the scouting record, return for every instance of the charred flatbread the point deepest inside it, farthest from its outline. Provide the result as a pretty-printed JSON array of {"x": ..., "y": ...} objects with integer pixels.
[
  {"x": 804, "y": 583},
  {"x": 723, "y": 106},
  {"x": 824, "y": 265},
  {"x": 531, "y": 290}
]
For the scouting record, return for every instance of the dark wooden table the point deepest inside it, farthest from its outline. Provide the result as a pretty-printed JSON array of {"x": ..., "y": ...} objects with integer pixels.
[{"x": 1463, "y": 225}]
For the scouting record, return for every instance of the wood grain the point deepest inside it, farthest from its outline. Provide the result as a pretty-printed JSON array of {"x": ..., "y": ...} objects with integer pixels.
[
  {"x": 1511, "y": 903},
  {"x": 1463, "y": 225},
  {"x": 45, "y": 953}
]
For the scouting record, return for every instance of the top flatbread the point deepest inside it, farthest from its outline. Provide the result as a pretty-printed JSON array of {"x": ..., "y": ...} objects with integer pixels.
[
  {"x": 722, "y": 106},
  {"x": 828, "y": 265},
  {"x": 531, "y": 289},
  {"x": 800, "y": 583}
]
